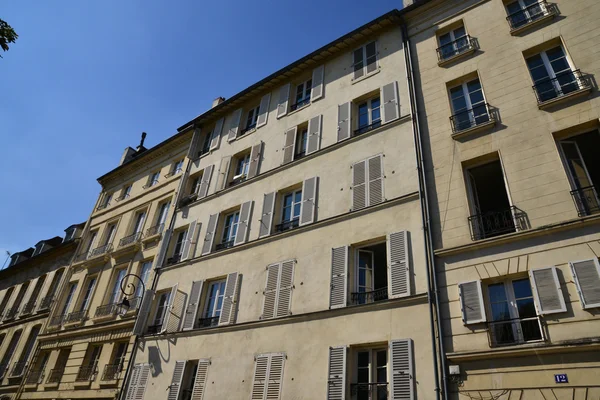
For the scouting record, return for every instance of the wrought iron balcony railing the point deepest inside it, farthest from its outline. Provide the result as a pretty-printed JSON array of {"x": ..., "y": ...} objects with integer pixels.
[
  {"x": 46, "y": 302},
  {"x": 208, "y": 322},
  {"x": 566, "y": 82},
  {"x": 77, "y": 316},
  {"x": 495, "y": 223},
  {"x": 28, "y": 308},
  {"x": 55, "y": 375},
  {"x": 367, "y": 128},
  {"x": 3, "y": 370},
  {"x": 154, "y": 230},
  {"x": 111, "y": 372},
  {"x": 106, "y": 309},
  {"x": 529, "y": 14},
  {"x": 86, "y": 373},
  {"x": 224, "y": 245},
  {"x": 248, "y": 128},
  {"x": 18, "y": 369},
  {"x": 515, "y": 331},
  {"x": 173, "y": 259},
  {"x": 369, "y": 391},
  {"x": 98, "y": 251},
  {"x": 56, "y": 320},
  {"x": 123, "y": 197},
  {"x": 35, "y": 377},
  {"x": 586, "y": 200},
  {"x": 11, "y": 313},
  {"x": 154, "y": 329},
  {"x": 287, "y": 225},
  {"x": 300, "y": 103},
  {"x": 127, "y": 240},
  {"x": 369, "y": 297},
  {"x": 471, "y": 118},
  {"x": 456, "y": 47}
]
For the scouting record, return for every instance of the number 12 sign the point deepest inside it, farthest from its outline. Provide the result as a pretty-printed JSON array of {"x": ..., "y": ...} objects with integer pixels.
[{"x": 561, "y": 378}]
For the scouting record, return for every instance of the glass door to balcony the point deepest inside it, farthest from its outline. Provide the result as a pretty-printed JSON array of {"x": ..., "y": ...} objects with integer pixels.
[
  {"x": 583, "y": 171},
  {"x": 371, "y": 375},
  {"x": 468, "y": 105},
  {"x": 552, "y": 74},
  {"x": 522, "y": 12}
]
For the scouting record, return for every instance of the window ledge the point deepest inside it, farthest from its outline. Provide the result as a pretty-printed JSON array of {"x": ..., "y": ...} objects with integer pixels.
[
  {"x": 151, "y": 238},
  {"x": 82, "y": 384},
  {"x": 370, "y": 74},
  {"x": 299, "y": 109},
  {"x": 517, "y": 31},
  {"x": 50, "y": 386},
  {"x": 564, "y": 98},
  {"x": 109, "y": 383},
  {"x": 130, "y": 248},
  {"x": 457, "y": 57},
  {"x": 474, "y": 130}
]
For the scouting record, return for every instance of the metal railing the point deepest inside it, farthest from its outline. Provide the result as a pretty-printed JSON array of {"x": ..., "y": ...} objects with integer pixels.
[
  {"x": 28, "y": 307},
  {"x": 111, "y": 372},
  {"x": 456, "y": 47},
  {"x": 18, "y": 369},
  {"x": 237, "y": 181},
  {"x": 369, "y": 391},
  {"x": 77, "y": 316},
  {"x": 46, "y": 302},
  {"x": 106, "y": 309},
  {"x": 154, "y": 230},
  {"x": 515, "y": 331},
  {"x": 529, "y": 14},
  {"x": 566, "y": 82},
  {"x": 367, "y": 128},
  {"x": 107, "y": 248},
  {"x": 208, "y": 322},
  {"x": 154, "y": 329},
  {"x": 472, "y": 117},
  {"x": 11, "y": 313},
  {"x": 55, "y": 375},
  {"x": 287, "y": 225},
  {"x": 495, "y": 223},
  {"x": 35, "y": 377},
  {"x": 203, "y": 151},
  {"x": 121, "y": 198},
  {"x": 86, "y": 373},
  {"x": 56, "y": 320},
  {"x": 224, "y": 245},
  {"x": 127, "y": 240},
  {"x": 248, "y": 128},
  {"x": 369, "y": 297},
  {"x": 300, "y": 103},
  {"x": 174, "y": 259},
  {"x": 586, "y": 201}
]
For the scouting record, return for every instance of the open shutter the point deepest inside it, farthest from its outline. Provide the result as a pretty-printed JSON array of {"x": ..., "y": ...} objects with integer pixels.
[
  {"x": 289, "y": 148},
  {"x": 189, "y": 237},
  {"x": 200, "y": 380},
  {"x": 255, "y": 155},
  {"x": 309, "y": 200},
  {"x": 339, "y": 272},
  {"x": 270, "y": 293},
  {"x": 344, "y": 119},
  {"x": 336, "y": 384},
  {"x": 402, "y": 385},
  {"x": 162, "y": 251},
  {"x": 358, "y": 63},
  {"x": 142, "y": 382},
  {"x": 215, "y": 140},
  {"x": 193, "y": 150},
  {"x": 391, "y": 106},
  {"x": 359, "y": 185},
  {"x": 133, "y": 382},
  {"x": 177, "y": 311},
  {"x": 205, "y": 182},
  {"x": 168, "y": 307},
  {"x": 284, "y": 97},
  {"x": 471, "y": 302},
  {"x": 266, "y": 218},
  {"x": 285, "y": 287},
  {"x": 317, "y": 83},
  {"x": 142, "y": 316},
  {"x": 192, "y": 307},
  {"x": 229, "y": 299},
  {"x": 209, "y": 238},
  {"x": 314, "y": 134},
  {"x": 223, "y": 173},
  {"x": 263, "y": 110},
  {"x": 587, "y": 279},
  {"x": 234, "y": 124},
  {"x": 375, "y": 175},
  {"x": 241, "y": 236},
  {"x": 259, "y": 382},
  {"x": 398, "y": 267},
  {"x": 275, "y": 376},
  {"x": 546, "y": 291},
  {"x": 176, "y": 380}
]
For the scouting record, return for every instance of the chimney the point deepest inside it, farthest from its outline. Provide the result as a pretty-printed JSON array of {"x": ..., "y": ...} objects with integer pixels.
[
  {"x": 406, "y": 3},
  {"x": 217, "y": 101},
  {"x": 127, "y": 155}
]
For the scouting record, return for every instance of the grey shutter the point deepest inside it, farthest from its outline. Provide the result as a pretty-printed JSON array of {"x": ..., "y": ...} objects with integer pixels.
[
  {"x": 587, "y": 279},
  {"x": 259, "y": 382},
  {"x": 285, "y": 287},
  {"x": 344, "y": 120},
  {"x": 215, "y": 140},
  {"x": 270, "y": 293},
  {"x": 193, "y": 150},
  {"x": 398, "y": 266},
  {"x": 336, "y": 382},
  {"x": 241, "y": 236},
  {"x": 284, "y": 97},
  {"x": 192, "y": 308},
  {"x": 229, "y": 299},
  {"x": 375, "y": 176},
  {"x": 187, "y": 243},
  {"x": 162, "y": 251},
  {"x": 223, "y": 173},
  {"x": 339, "y": 272},
  {"x": 317, "y": 83},
  {"x": 205, "y": 182},
  {"x": 314, "y": 134},
  {"x": 175, "y": 310},
  {"x": 142, "y": 382},
  {"x": 266, "y": 218},
  {"x": 275, "y": 376},
  {"x": 263, "y": 110},
  {"x": 371, "y": 48},
  {"x": 358, "y": 60},
  {"x": 133, "y": 382},
  {"x": 309, "y": 200},
  {"x": 255, "y": 155},
  {"x": 402, "y": 385},
  {"x": 176, "y": 380},
  {"x": 471, "y": 302},
  {"x": 209, "y": 238},
  {"x": 359, "y": 185},
  {"x": 200, "y": 380},
  {"x": 289, "y": 148},
  {"x": 389, "y": 99},
  {"x": 144, "y": 310},
  {"x": 546, "y": 291},
  {"x": 234, "y": 124}
]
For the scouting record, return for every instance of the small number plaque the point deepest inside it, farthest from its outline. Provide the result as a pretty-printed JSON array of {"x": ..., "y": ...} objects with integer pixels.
[{"x": 561, "y": 378}]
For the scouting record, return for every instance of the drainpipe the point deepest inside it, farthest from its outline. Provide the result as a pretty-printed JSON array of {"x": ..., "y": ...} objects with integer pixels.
[{"x": 432, "y": 289}]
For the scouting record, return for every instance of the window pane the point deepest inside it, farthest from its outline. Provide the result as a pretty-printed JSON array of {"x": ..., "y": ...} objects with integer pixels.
[
  {"x": 358, "y": 59},
  {"x": 381, "y": 358},
  {"x": 363, "y": 359},
  {"x": 522, "y": 288},
  {"x": 363, "y": 115},
  {"x": 371, "y": 49},
  {"x": 445, "y": 39},
  {"x": 526, "y": 308},
  {"x": 497, "y": 293},
  {"x": 459, "y": 32}
]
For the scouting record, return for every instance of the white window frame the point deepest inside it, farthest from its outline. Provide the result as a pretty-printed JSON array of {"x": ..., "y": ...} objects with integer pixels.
[
  {"x": 301, "y": 145},
  {"x": 115, "y": 293},
  {"x": 293, "y": 194},
  {"x": 364, "y": 60},
  {"x": 252, "y": 118},
  {"x": 357, "y": 268},
  {"x": 153, "y": 179},
  {"x": 88, "y": 293},
  {"x": 111, "y": 232},
  {"x": 167, "y": 296},
  {"x": 212, "y": 313},
  {"x": 126, "y": 191},
  {"x": 177, "y": 167},
  {"x": 236, "y": 224},
  {"x": 369, "y": 103},
  {"x": 179, "y": 242},
  {"x": 139, "y": 220},
  {"x": 372, "y": 364},
  {"x": 467, "y": 96},
  {"x": 306, "y": 91},
  {"x": 69, "y": 299},
  {"x": 548, "y": 66},
  {"x": 245, "y": 162}
]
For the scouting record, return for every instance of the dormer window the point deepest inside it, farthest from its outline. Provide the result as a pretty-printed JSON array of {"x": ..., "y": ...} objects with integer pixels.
[{"x": 69, "y": 235}]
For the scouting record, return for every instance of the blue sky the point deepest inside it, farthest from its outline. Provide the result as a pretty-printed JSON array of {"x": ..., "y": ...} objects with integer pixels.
[{"x": 85, "y": 78}]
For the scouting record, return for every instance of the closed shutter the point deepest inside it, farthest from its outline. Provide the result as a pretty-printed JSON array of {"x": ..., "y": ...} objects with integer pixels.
[
  {"x": 309, "y": 200},
  {"x": 205, "y": 182},
  {"x": 344, "y": 119},
  {"x": 546, "y": 291},
  {"x": 241, "y": 236},
  {"x": 471, "y": 302},
  {"x": 142, "y": 382},
  {"x": 142, "y": 316},
  {"x": 402, "y": 386},
  {"x": 259, "y": 382},
  {"x": 398, "y": 267},
  {"x": 284, "y": 97},
  {"x": 133, "y": 382},
  {"x": 314, "y": 134},
  {"x": 275, "y": 376},
  {"x": 162, "y": 251},
  {"x": 336, "y": 383},
  {"x": 389, "y": 98},
  {"x": 263, "y": 111},
  {"x": 375, "y": 175},
  {"x": 266, "y": 218},
  {"x": 176, "y": 380},
  {"x": 229, "y": 299},
  {"x": 359, "y": 185},
  {"x": 587, "y": 279},
  {"x": 317, "y": 83},
  {"x": 200, "y": 380},
  {"x": 223, "y": 173},
  {"x": 358, "y": 63},
  {"x": 193, "y": 150},
  {"x": 234, "y": 124},
  {"x": 285, "y": 287},
  {"x": 192, "y": 308},
  {"x": 215, "y": 140},
  {"x": 174, "y": 311},
  {"x": 255, "y": 156},
  {"x": 339, "y": 272},
  {"x": 189, "y": 237},
  {"x": 289, "y": 148},
  {"x": 371, "y": 54},
  {"x": 270, "y": 292},
  {"x": 209, "y": 238}
]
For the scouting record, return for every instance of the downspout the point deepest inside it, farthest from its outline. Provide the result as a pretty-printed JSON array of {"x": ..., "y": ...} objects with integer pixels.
[{"x": 432, "y": 288}]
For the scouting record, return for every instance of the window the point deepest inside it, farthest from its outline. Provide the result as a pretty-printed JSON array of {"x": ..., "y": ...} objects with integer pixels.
[
  {"x": 206, "y": 143},
  {"x": 69, "y": 235},
  {"x": 177, "y": 167},
  {"x": 196, "y": 182},
  {"x": 33, "y": 298},
  {"x": 524, "y": 12},
  {"x": 17, "y": 303},
  {"x": 268, "y": 373},
  {"x": 144, "y": 274},
  {"x": 7, "y": 295},
  {"x": 113, "y": 369},
  {"x": 92, "y": 241},
  {"x": 38, "y": 248},
  {"x": 161, "y": 310},
  {"x": 365, "y": 60},
  {"x": 56, "y": 373},
  {"x": 116, "y": 289},
  {"x": 241, "y": 169},
  {"x": 153, "y": 179},
  {"x": 37, "y": 372},
  {"x": 87, "y": 371},
  {"x": 468, "y": 106},
  {"x": 68, "y": 298},
  {"x": 138, "y": 225},
  {"x": 19, "y": 366},
  {"x": 189, "y": 379},
  {"x": 453, "y": 43},
  {"x": 290, "y": 210},
  {"x": 301, "y": 143},
  {"x": 213, "y": 304},
  {"x": 369, "y": 115},
  {"x": 105, "y": 201},
  {"x": 278, "y": 290},
  {"x": 370, "y": 271},
  {"x": 370, "y": 374},
  {"x": 9, "y": 352},
  {"x": 230, "y": 226},
  {"x": 251, "y": 119},
  {"x": 47, "y": 301},
  {"x": 87, "y": 295},
  {"x": 111, "y": 230},
  {"x": 163, "y": 211},
  {"x": 178, "y": 248},
  {"x": 125, "y": 193},
  {"x": 303, "y": 91}
]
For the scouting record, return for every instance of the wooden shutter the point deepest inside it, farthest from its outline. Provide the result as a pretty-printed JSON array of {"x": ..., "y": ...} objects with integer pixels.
[
  {"x": 259, "y": 382},
  {"x": 234, "y": 125},
  {"x": 266, "y": 218},
  {"x": 587, "y": 279},
  {"x": 284, "y": 97},
  {"x": 209, "y": 238},
  {"x": 317, "y": 83},
  {"x": 284, "y": 288},
  {"x": 174, "y": 311},
  {"x": 471, "y": 302},
  {"x": 546, "y": 291},
  {"x": 275, "y": 376},
  {"x": 375, "y": 176},
  {"x": 314, "y": 134},
  {"x": 200, "y": 379},
  {"x": 339, "y": 272},
  {"x": 241, "y": 236},
  {"x": 187, "y": 243},
  {"x": 336, "y": 383},
  {"x": 255, "y": 155},
  {"x": 309, "y": 200},
  {"x": 144, "y": 310},
  {"x": 359, "y": 185},
  {"x": 390, "y": 104},
  {"x": 402, "y": 385},
  {"x": 193, "y": 150},
  {"x": 344, "y": 119},
  {"x": 229, "y": 299},
  {"x": 162, "y": 251},
  {"x": 398, "y": 266},
  {"x": 289, "y": 148},
  {"x": 371, "y": 48},
  {"x": 133, "y": 382},
  {"x": 358, "y": 59},
  {"x": 223, "y": 173},
  {"x": 205, "y": 182},
  {"x": 215, "y": 140},
  {"x": 270, "y": 293},
  {"x": 142, "y": 382},
  {"x": 176, "y": 380},
  {"x": 192, "y": 308},
  {"x": 263, "y": 110}
]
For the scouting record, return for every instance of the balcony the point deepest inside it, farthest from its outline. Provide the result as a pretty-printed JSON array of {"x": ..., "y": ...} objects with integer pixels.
[
  {"x": 224, "y": 245},
  {"x": 55, "y": 375},
  {"x": 369, "y": 297},
  {"x": 155, "y": 230},
  {"x": 75, "y": 317},
  {"x": 18, "y": 369},
  {"x": 190, "y": 198},
  {"x": 367, "y": 128},
  {"x": 471, "y": 121},
  {"x": 457, "y": 49},
  {"x": 35, "y": 377},
  {"x": 46, "y": 302},
  {"x": 56, "y": 320},
  {"x": 495, "y": 223},
  {"x": 28, "y": 308},
  {"x": 530, "y": 16},
  {"x": 248, "y": 129},
  {"x": 128, "y": 245},
  {"x": 99, "y": 255},
  {"x": 111, "y": 372},
  {"x": 106, "y": 310},
  {"x": 208, "y": 322},
  {"x": 86, "y": 373},
  {"x": 586, "y": 201},
  {"x": 174, "y": 259},
  {"x": 300, "y": 103},
  {"x": 566, "y": 85},
  {"x": 154, "y": 329},
  {"x": 11, "y": 313},
  {"x": 287, "y": 225},
  {"x": 369, "y": 391},
  {"x": 131, "y": 239},
  {"x": 516, "y": 331}
]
